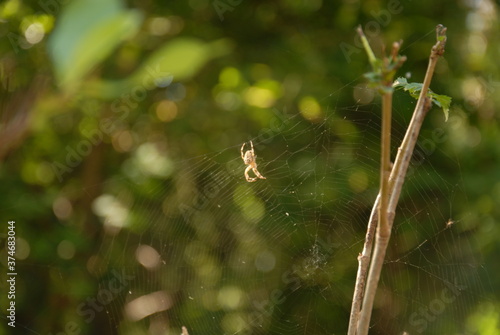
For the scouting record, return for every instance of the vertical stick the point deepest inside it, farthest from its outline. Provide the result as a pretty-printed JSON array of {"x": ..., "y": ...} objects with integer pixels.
[
  {"x": 397, "y": 177},
  {"x": 363, "y": 263},
  {"x": 383, "y": 228},
  {"x": 382, "y": 76}
]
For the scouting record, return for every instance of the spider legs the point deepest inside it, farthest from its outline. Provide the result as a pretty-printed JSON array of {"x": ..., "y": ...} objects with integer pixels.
[
  {"x": 247, "y": 177},
  {"x": 257, "y": 173}
]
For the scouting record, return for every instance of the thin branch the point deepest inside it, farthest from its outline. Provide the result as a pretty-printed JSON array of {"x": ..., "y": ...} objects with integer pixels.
[
  {"x": 16, "y": 114},
  {"x": 385, "y": 163},
  {"x": 397, "y": 177},
  {"x": 371, "y": 56},
  {"x": 363, "y": 263},
  {"x": 383, "y": 228},
  {"x": 405, "y": 151},
  {"x": 382, "y": 76},
  {"x": 365, "y": 256}
]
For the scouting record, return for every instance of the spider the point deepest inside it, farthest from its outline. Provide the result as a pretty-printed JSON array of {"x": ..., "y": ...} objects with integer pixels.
[{"x": 249, "y": 160}]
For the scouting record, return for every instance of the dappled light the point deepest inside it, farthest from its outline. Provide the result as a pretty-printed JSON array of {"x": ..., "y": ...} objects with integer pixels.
[{"x": 211, "y": 167}]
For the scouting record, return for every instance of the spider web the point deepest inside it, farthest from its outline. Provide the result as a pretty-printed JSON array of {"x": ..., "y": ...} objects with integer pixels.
[{"x": 205, "y": 249}]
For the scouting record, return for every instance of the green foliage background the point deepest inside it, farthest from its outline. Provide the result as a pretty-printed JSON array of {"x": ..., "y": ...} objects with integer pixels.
[{"x": 67, "y": 72}]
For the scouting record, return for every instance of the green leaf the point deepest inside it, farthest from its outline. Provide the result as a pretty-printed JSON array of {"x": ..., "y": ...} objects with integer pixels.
[
  {"x": 442, "y": 101},
  {"x": 87, "y": 32},
  {"x": 178, "y": 59}
]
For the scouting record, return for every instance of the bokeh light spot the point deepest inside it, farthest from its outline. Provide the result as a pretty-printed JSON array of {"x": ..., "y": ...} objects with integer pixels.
[
  {"x": 310, "y": 109},
  {"x": 66, "y": 249}
]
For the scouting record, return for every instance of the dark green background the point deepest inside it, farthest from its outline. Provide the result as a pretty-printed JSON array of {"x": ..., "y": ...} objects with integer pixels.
[{"x": 207, "y": 58}]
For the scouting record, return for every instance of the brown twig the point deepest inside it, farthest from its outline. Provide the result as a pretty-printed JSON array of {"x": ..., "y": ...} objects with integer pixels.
[
  {"x": 382, "y": 76},
  {"x": 16, "y": 114},
  {"x": 396, "y": 181},
  {"x": 363, "y": 263}
]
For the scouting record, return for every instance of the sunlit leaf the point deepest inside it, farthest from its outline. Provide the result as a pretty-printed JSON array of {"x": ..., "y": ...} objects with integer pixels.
[
  {"x": 442, "y": 101},
  {"x": 87, "y": 32},
  {"x": 178, "y": 59}
]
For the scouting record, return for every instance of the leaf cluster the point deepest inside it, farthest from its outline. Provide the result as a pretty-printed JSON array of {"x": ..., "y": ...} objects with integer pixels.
[{"x": 440, "y": 100}]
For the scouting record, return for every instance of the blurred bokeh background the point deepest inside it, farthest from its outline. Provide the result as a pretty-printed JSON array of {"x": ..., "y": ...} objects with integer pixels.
[{"x": 121, "y": 129}]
